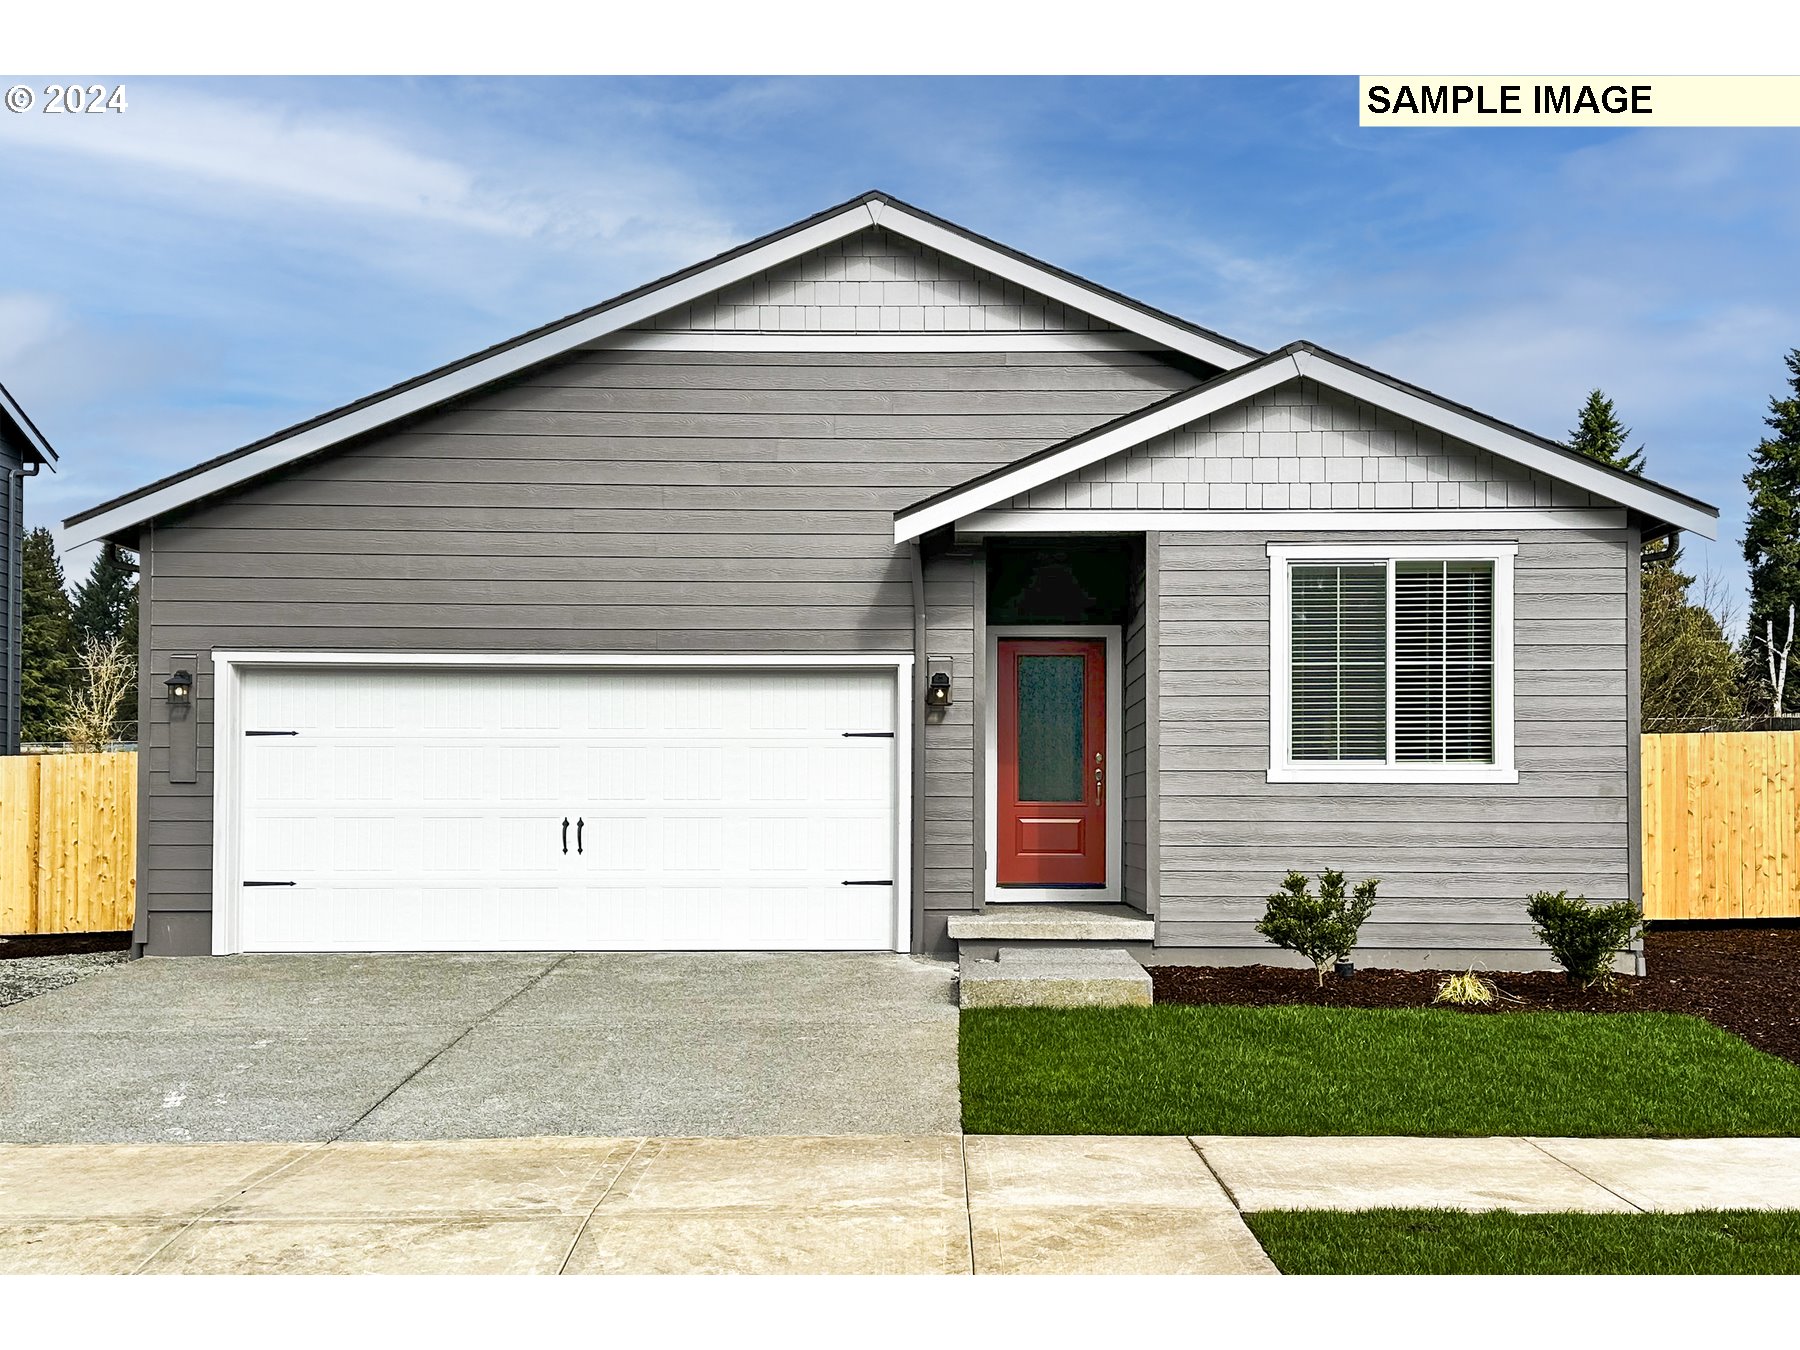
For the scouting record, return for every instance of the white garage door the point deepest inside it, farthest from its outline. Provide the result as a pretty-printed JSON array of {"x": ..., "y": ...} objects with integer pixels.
[{"x": 623, "y": 809}]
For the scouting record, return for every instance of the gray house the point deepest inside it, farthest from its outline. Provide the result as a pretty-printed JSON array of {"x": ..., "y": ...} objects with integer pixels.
[
  {"x": 23, "y": 453},
  {"x": 875, "y": 586}
]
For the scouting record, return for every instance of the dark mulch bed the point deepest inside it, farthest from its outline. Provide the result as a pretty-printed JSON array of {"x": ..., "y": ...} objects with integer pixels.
[
  {"x": 62, "y": 944},
  {"x": 1744, "y": 978}
]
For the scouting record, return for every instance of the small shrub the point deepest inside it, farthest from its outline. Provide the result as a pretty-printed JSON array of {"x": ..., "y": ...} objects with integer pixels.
[
  {"x": 1467, "y": 990},
  {"x": 1323, "y": 928},
  {"x": 1582, "y": 936}
]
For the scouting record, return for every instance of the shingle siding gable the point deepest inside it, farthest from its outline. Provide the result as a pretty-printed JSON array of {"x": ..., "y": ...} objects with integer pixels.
[
  {"x": 876, "y": 282},
  {"x": 1305, "y": 447}
]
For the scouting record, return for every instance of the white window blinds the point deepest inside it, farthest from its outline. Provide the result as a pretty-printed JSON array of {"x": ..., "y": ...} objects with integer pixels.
[
  {"x": 1392, "y": 661},
  {"x": 1340, "y": 661},
  {"x": 1444, "y": 662}
]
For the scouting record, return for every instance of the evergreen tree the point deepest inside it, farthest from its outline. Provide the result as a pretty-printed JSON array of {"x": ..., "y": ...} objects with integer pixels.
[
  {"x": 48, "y": 658},
  {"x": 106, "y": 607},
  {"x": 103, "y": 601},
  {"x": 1772, "y": 535},
  {"x": 128, "y": 711},
  {"x": 1601, "y": 436},
  {"x": 1690, "y": 676}
]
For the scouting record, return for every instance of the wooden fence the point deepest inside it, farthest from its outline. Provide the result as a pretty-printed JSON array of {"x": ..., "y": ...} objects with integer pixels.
[
  {"x": 68, "y": 842},
  {"x": 1722, "y": 825}
]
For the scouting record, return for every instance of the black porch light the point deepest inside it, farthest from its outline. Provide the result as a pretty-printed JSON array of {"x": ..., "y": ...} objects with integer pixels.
[
  {"x": 181, "y": 687},
  {"x": 937, "y": 690}
]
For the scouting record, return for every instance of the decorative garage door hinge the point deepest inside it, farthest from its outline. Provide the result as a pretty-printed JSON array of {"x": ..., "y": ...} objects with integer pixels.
[
  {"x": 868, "y": 883},
  {"x": 271, "y": 733},
  {"x": 271, "y": 883},
  {"x": 887, "y": 734}
]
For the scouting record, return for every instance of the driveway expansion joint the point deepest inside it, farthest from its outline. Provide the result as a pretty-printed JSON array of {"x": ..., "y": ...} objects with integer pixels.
[{"x": 450, "y": 1045}]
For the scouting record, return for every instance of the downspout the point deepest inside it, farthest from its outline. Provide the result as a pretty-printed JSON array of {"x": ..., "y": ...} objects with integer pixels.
[
  {"x": 12, "y": 640},
  {"x": 916, "y": 807}
]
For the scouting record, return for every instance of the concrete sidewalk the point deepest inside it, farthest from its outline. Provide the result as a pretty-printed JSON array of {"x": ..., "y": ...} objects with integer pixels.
[
  {"x": 919, "y": 1204},
  {"x": 928, "y": 1204},
  {"x": 1527, "y": 1175}
]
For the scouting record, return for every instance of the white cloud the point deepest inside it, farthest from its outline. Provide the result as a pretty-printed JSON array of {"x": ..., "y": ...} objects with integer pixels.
[{"x": 265, "y": 148}]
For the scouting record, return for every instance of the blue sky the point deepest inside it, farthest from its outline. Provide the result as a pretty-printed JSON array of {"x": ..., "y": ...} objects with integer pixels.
[{"x": 230, "y": 256}]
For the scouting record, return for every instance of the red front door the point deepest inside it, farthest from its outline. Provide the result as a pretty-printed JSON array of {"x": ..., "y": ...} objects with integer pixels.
[{"x": 1051, "y": 733}]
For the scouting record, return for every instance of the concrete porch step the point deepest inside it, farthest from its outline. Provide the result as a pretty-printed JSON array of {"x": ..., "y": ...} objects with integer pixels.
[
  {"x": 1054, "y": 978},
  {"x": 1053, "y": 923}
]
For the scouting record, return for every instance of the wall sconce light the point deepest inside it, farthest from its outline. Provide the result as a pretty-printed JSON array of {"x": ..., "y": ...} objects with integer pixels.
[
  {"x": 937, "y": 684},
  {"x": 181, "y": 688}
]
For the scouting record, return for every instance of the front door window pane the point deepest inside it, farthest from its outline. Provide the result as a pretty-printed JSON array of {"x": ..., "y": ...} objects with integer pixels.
[{"x": 1051, "y": 693}]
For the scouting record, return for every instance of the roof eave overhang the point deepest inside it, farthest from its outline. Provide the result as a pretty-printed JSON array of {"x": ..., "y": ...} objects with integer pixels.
[
  {"x": 1300, "y": 360},
  {"x": 119, "y": 520},
  {"x": 37, "y": 449}
]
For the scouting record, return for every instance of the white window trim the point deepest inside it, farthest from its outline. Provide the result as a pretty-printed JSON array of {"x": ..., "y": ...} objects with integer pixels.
[
  {"x": 1114, "y": 890},
  {"x": 1282, "y": 769},
  {"x": 227, "y": 715}
]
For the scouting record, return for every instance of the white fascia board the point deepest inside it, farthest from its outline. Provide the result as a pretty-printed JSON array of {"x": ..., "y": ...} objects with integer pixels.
[
  {"x": 1186, "y": 522},
  {"x": 1641, "y": 497},
  {"x": 470, "y": 377},
  {"x": 1089, "y": 301},
  {"x": 16, "y": 415},
  {"x": 1222, "y": 394}
]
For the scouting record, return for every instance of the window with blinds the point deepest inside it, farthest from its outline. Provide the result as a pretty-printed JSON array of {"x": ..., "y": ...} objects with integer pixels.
[
  {"x": 1391, "y": 661},
  {"x": 1338, "y": 641},
  {"x": 1444, "y": 662}
]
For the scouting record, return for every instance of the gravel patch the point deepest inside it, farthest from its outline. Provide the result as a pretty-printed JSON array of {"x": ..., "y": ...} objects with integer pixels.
[{"x": 28, "y": 976}]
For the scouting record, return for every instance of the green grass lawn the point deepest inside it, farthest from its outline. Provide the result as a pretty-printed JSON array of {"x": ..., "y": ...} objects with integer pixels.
[
  {"x": 1171, "y": 1069},
  {"x": 1445, "y": 1242}
]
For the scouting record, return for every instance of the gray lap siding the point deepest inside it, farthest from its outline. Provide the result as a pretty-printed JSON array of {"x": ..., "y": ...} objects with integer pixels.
[
  {"x": 1456, "y": 861},
  {"x": 615, "y": 502}
]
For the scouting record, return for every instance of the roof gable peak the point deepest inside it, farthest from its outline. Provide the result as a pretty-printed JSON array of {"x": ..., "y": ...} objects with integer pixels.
[{"x": 120, "y": 518}]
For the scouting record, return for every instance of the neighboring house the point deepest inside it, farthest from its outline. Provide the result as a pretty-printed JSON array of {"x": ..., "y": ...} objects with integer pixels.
[
  {"x": 23, "y": 452},
  {"x": 857, "y": 584}
]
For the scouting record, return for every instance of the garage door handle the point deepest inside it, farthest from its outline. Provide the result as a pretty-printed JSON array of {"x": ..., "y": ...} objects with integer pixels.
[
  {"x": 565, "y": 834},
  {"x": 579, "y": 822},
  {"x": 868, "y": 883}
]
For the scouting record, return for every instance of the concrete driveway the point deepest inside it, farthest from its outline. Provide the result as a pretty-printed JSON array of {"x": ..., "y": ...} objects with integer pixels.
[{"x": 322, "y": 1047}]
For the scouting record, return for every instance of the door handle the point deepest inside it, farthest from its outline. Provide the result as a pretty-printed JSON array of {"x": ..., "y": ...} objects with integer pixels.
[
  {"x": 1099, "y": 777},
  {"x": 565, "y": 834},
  {"x": 578, "y": 824}
]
